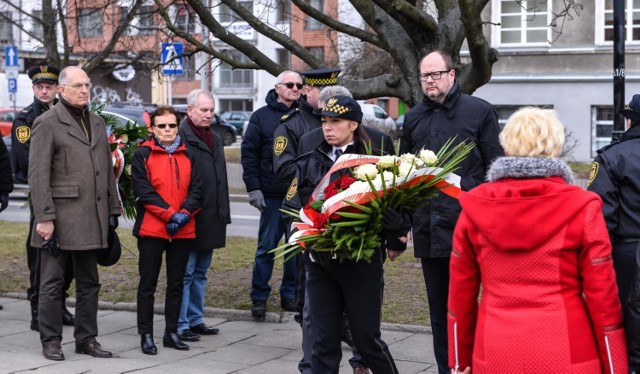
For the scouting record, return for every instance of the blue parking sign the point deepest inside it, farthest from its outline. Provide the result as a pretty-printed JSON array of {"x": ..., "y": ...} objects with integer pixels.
[{"x": 13, "y": 85}]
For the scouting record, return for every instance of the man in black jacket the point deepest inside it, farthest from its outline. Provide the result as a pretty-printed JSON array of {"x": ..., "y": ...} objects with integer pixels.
[
  {"x": 45, "y": 87},
  {"x": 446, "y": 113},
  {"x": 211, "y": 222},
  {"x": 266, "y": 192},
  {"x": 615, "y": 176}
]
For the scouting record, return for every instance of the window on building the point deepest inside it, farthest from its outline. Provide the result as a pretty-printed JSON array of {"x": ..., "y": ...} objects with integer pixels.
[
  {"x": 230, "y": 77},
  {"x": 312, "y": 23},
  {"x": 228, "y": 15},
  {"x": 524, "y": 22},
  {"x": 242, "y": 105},
  {"x": 186, "y": 20},
  {"x": 283, "y": 57},
  {"x": 632, "y": 20},
  {"x": 601, "y": 127},
  {"x": 318, "y": 52},
  {"x": 283, "y": 11},
  {"x": 145, "y": 20},
  {"x": 89, "y": 22},
  {"x": 36, "y": 25},
  {"x": 505, "y": 111},
  {"x": 6, "y": 28}
]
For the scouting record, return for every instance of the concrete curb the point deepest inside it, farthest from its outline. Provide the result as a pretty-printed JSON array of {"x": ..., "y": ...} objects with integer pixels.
[{"x": 226, "y": 314}]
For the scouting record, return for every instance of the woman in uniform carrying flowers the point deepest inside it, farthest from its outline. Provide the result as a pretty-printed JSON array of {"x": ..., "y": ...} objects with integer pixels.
[{"x": 346, "y": 226}]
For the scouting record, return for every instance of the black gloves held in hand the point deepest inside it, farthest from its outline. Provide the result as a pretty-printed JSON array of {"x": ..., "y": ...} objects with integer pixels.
[
  {"x": 395, "y": 222},
  {"x": 180, "y": 218},
  {"x": 52, "y": 245},
  {"x": 113, "y": 222}
]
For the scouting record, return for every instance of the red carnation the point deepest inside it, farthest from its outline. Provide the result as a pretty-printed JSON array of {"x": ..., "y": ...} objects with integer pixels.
[
  {"x": 330, "y": 190},
  {"x": 319, "y": 221},
  {"x": 346, "y": 181}
]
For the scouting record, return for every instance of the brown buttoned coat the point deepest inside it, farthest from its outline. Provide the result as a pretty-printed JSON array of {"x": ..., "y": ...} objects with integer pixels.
[{"x": 71, "y": 179}]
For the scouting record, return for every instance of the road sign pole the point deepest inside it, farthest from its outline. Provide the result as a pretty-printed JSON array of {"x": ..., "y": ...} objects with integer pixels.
[{"x": 170, "y": 89}]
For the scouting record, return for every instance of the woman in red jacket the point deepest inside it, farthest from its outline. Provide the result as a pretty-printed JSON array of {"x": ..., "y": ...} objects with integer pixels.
[
  {"x": 540, "y": 249},
  {"x": 168, "y": 195}
]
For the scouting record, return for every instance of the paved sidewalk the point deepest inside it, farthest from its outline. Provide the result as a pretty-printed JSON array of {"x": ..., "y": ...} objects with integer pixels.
[{"x": 243, "y": 346}]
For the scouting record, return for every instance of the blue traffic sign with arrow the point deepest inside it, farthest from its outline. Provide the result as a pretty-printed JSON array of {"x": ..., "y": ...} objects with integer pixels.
[{"x": 11, "y": 55}]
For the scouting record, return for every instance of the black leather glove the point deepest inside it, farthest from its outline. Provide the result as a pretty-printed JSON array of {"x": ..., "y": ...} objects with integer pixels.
[
  {"x": 4, "y": 201},
  {"x": 396, "y": 223},
  {"x": 320, "y": 257},
  {"x": 113, "y": 222},
  {"x": 172, "y": 228},
  {"x": 180, "y": 218},
  {"x": 52, "y": 245}
]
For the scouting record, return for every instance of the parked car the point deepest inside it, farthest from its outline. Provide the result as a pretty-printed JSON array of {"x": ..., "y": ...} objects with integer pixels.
[
  {"x": 225, "y": 130},
  {"x": 237, "y": 119},
  {"x": 129, "y": 113},
  {"x": 7, "y": 115},
  {"x": 374, "y": 116},
  {"x": 399, "y": 125}
]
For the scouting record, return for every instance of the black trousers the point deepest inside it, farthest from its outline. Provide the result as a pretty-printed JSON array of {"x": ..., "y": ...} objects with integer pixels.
[
  {"x": 356, "y": 287},
  {"x": 33, "y": 262},
  {"x": 436, "y": 278},
  {"x": 52, "y": 270},
  {"x": 149, "y": 264}
]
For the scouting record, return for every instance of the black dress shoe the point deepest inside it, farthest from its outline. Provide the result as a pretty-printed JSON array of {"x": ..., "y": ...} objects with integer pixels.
[
  {"x": 52, "y": 351},
  {"x": 203, "y": 329},
  {"x": 147, "y": 344},
  {"x": 171, "y": 339},
  {"x": 93, "y": 348},
  {"x": 188, "y": 336},
  {"x": 289, "y": 305},
  {"x": 68, "y": 319},
  {"x": 258, "y": 309}
]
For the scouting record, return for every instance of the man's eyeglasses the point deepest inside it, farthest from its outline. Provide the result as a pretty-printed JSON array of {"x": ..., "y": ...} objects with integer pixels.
[
  {"x": 79, "y": 85},
  {"x": 291, "y": 84},
  {"x": 163, "y": 125},
  {"x": 434, "y": 75}
]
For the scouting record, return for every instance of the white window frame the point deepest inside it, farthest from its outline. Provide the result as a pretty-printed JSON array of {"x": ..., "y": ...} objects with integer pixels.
[
  {"x": 598, "y": 142},
  {"x": 600, "y": 23},
  {"x": 496, "y": 17}
]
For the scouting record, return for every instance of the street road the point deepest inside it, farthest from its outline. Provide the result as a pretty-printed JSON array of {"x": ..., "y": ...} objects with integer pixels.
[{"x": 244, "y": 217}]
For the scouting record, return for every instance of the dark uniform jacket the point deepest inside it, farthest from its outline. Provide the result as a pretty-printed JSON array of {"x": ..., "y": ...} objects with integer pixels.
[
  {"x": 615, "y": 176},
  {"x": 293, "y": 125},
  {"x": 164, "y": 184},
  {"x": 257, "y": 148},
  {"x": 429, "y": 125},
  {"x": 21, "y": 139},
  {"x": 6, "y": 180},
  {"x": 212, "y": 220}
]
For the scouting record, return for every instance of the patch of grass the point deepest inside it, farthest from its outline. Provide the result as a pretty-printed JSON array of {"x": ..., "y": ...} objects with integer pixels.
[
  {"x": 229, "y": 277},
  {"x": 232, "y": 154},
  {"x": 581, "y": 169}
]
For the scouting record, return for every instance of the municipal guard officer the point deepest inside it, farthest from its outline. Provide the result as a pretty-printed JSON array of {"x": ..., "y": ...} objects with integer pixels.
[
  {"x": 299, "y": 121},
  {"x": 44, "y": 81},
  {"x": 615, "y": 176}
]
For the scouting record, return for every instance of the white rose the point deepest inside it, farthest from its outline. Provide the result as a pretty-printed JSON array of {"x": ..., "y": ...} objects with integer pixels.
[
  {"x": 359, "y": 186},
  {"x": 365, "y": 171},
  {"x": 387, "y": 162},
  {"x": 428, "y": 157},
  {"x": 408, "y": 157},
  {"x": 405, "y": 168}
]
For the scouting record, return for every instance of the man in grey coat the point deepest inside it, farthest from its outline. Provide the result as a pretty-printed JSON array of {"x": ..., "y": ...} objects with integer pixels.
[{"x": 75, "y": 202}]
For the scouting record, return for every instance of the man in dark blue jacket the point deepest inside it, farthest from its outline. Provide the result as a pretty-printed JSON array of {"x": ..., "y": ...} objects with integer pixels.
[
  {"x": 446, "y": 113},
  {"x": 266, "y": 192}
]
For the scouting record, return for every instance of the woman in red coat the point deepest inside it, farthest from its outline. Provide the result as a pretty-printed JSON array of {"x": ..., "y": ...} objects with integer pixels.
[
  {"x": 540, "y": 249},
  {"x": 168, "y": 195}
]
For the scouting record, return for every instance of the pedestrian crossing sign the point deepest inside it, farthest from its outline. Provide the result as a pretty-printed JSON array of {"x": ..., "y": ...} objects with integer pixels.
[{"x": 171, "y": 58}]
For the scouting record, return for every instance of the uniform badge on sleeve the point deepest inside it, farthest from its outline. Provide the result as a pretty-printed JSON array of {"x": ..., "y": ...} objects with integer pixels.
[
  {"x": 23, "y": 133},
  {"x": 593, "y": 172},
  {"x": 293, "y": 189},
  {"x": 279, "y": 145}
]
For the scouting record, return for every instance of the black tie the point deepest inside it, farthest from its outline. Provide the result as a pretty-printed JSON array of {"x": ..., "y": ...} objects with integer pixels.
[{"x": 338, "y": 153}]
